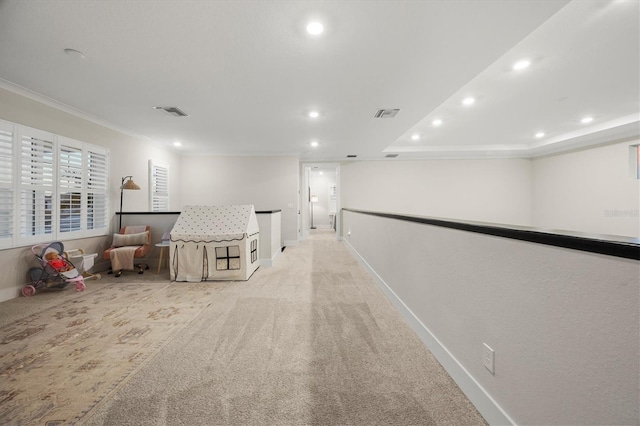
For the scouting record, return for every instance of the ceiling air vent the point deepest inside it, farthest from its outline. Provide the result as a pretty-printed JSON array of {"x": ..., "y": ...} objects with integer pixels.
[
  {"x": 351, "y": 156},
  {"x": 386, "y": 113},
  {"x": 172, "y": 111},
  {"x": 391, "y": 155}
]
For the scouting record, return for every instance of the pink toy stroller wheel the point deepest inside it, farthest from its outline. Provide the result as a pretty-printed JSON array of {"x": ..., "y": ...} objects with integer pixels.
[
  {"x": 28, "y": 291},
  {"x": 80, "y": 286}
]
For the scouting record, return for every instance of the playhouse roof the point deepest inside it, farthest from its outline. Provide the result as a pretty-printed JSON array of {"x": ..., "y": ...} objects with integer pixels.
[{"x": 215, "y": 223}]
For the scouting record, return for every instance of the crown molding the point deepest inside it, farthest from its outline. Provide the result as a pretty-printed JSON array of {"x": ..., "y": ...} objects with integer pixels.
[{"x": 45, "y": 100}]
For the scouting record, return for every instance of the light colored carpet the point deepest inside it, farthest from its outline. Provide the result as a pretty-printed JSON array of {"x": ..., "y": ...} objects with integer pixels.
[{"x": 310, "y": 341}]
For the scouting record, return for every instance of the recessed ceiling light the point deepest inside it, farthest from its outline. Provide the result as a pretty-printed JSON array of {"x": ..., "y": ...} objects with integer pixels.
[
  {"x": 586, "y": 120},
  {"x": 540, "y": 135},
  {"x": 177, "y": 143},
  {"x": 468, "y": 101},
  {"x": 415, "y": 137},
  {"x": 314, "y": 114},
  {"x": 315, "y": 28},
  {"x": 436, "y": 122},
  {"x": 321, "y": 172},
  {"x": 520, "y": 65},
  {"x": 314, "y": 143}
]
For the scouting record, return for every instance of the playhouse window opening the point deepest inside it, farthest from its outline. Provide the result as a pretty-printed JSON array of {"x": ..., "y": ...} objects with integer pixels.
[
  {"x": 228, "y": 258},
  {"x": 254, "y": 251}
]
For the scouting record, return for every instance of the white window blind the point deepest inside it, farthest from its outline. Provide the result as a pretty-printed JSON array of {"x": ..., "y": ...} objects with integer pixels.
[
  {"x": 159, "y": 188},
  {"x": 70, "y": 189},
  {"x": 97, "y": 189},
  {"x": 6, "y": 184},
  {"x": 36, "y": 183}
]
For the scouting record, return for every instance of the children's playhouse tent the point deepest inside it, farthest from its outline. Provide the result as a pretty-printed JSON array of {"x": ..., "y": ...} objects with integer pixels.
[{"x": 214, "y": 243}]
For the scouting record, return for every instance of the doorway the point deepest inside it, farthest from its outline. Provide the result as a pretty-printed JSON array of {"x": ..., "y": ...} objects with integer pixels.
[{"x": 320, "y": 197}]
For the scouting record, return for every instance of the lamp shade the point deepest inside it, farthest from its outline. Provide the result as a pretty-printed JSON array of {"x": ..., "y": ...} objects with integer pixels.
[{"x": 130, "y": 184}]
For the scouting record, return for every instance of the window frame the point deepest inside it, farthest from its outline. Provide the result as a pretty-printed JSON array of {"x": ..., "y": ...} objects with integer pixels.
[{"x": 228, "y": 258}]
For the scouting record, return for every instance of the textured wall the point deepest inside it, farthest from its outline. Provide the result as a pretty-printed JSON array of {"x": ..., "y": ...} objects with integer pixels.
[
  {"x": 269, "y": 183},
  {"x": 564, "y": 324},
  {"x": 591, "y": 190},
  {"x": 482, "y": 190}
]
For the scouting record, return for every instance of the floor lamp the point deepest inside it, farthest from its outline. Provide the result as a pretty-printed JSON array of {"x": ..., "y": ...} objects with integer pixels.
[
  {"x": 314, "y": 199},
  {"x": 129, "y": 184}
]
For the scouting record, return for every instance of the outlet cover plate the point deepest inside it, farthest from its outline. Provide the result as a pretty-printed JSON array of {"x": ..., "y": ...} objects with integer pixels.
[{"x": 488, "y": 358}]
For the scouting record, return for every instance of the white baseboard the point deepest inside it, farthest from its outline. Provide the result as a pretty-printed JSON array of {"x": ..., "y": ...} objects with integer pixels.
[
  {"x": 486, "y": 405},
  {"x": 270, "y": 262},
  {"x": 10, "y": 293},
  {"x": 324, "y": 227}
]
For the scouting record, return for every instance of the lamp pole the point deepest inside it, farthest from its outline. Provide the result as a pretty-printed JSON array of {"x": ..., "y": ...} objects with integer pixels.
[
  {"x": 121, "y": 198},
  {"x": 130, "y": 184}
]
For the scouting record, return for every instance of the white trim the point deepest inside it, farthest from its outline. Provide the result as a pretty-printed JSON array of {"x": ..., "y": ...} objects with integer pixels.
[
  {"x": 270, "y": 262},
  {"x": 486, "y": 405}
]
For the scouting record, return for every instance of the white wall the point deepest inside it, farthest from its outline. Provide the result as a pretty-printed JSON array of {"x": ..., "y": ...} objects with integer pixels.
[
  {"x": 591, "y": 190},
  {"x": 128, "y": 156},
  {"x": 564, "y": 324},
  {"x": 269, "y": 183},
  {"x": 481, "y": 190}
]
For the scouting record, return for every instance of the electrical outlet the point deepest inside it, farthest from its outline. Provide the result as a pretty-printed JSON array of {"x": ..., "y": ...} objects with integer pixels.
[{"x": 488, "y": 358}]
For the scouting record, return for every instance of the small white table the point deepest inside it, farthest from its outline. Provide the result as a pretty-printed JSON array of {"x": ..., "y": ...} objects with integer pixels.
[{"x": 163, "y": 246}]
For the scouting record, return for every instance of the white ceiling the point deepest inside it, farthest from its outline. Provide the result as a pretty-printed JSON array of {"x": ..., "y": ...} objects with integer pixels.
[{"x": 247, "y": 73}]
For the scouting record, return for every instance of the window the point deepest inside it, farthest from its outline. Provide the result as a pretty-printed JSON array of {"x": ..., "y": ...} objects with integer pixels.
[
  {"x": 51, "y": 187},
  {"x": 7, "y": 170},
  {"x": 254, "y": 251},
  {"x": 227, "y": 258},
  {"x": 36, "y": 184},
  {"x": 159, "y": 186}
]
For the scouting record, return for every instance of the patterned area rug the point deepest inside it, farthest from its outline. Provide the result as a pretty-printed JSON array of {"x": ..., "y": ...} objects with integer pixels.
[{"x": 90, "y": 342}]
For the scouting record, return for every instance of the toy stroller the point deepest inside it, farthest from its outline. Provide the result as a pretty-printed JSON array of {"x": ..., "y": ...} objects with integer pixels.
[{"x": 56, "y": 271}]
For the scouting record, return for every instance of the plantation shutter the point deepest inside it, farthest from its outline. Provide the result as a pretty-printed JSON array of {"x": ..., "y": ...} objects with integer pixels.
[
  {"x": 159, "y": 179},
  {"x": 70, "y": 187},
  {"x": 37, "y": 165},
  {"x": 6, "y": 184},
  {"x": 97, "y": 189}
]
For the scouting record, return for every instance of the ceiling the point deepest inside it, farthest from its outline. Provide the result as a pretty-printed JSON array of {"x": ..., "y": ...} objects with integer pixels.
[{"x": 247, "y": 73}]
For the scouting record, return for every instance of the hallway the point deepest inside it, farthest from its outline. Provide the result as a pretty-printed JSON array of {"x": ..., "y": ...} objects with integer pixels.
[{"x": 309, "y": 341}]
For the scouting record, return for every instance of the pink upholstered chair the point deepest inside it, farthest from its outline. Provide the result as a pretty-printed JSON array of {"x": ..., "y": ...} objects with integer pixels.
[{"x": 131, "y": 237}]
